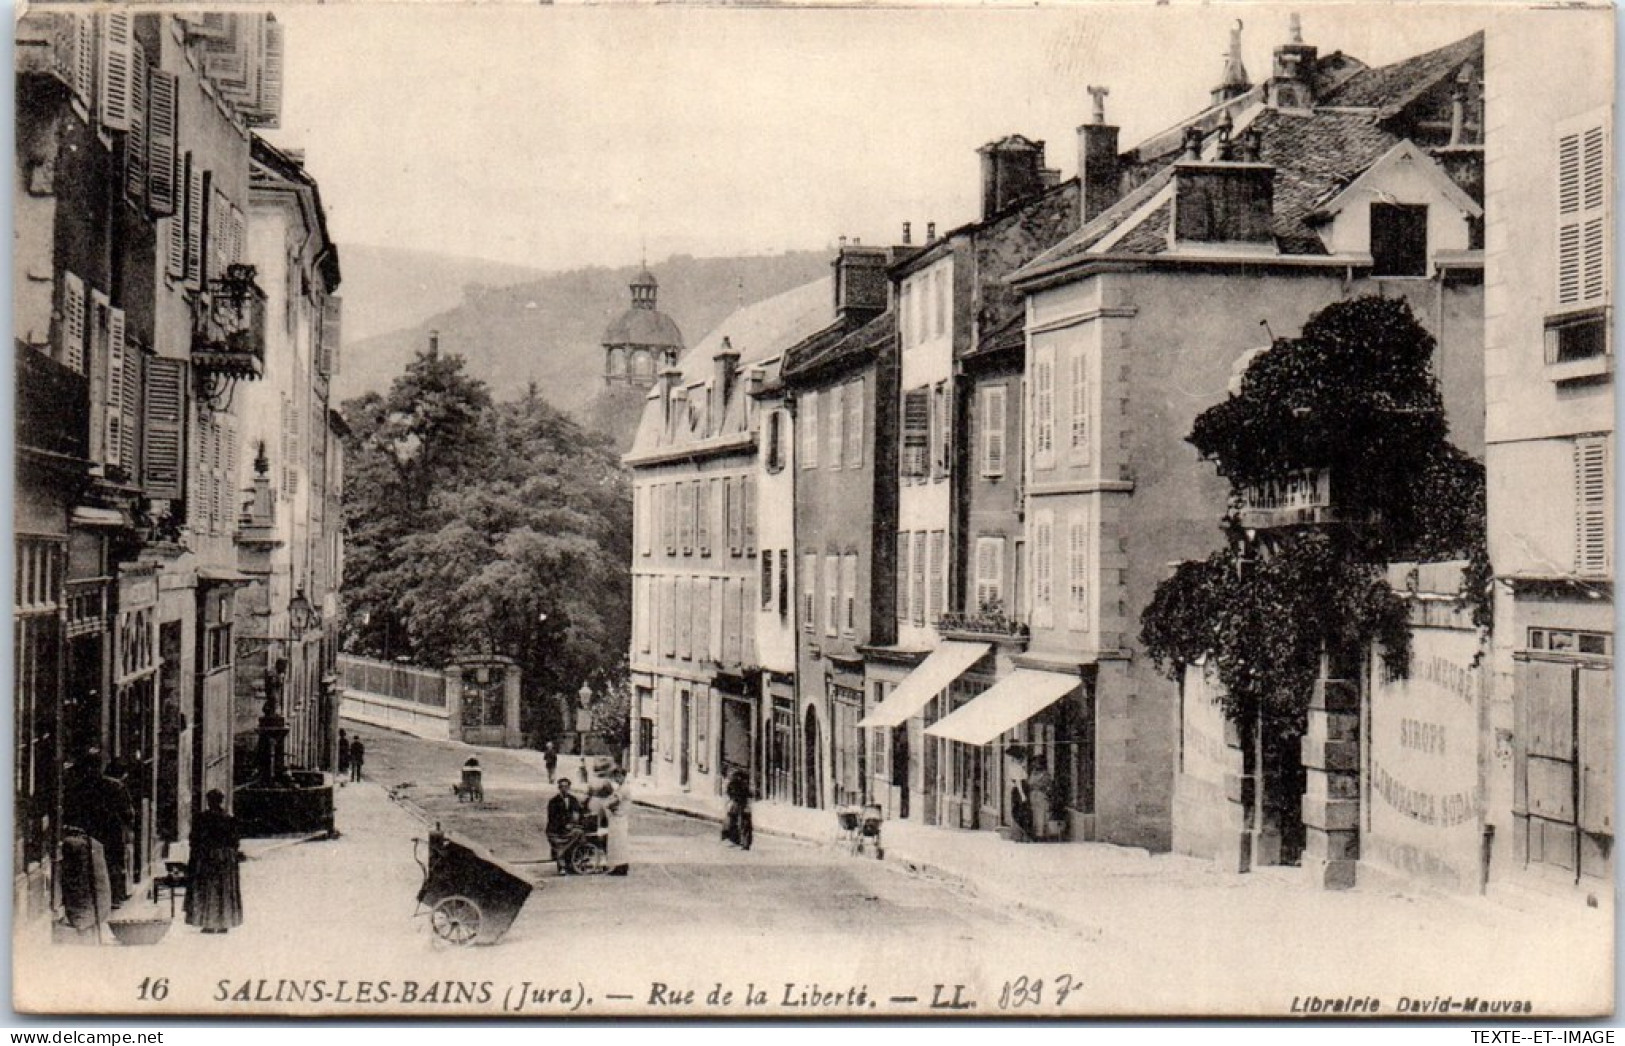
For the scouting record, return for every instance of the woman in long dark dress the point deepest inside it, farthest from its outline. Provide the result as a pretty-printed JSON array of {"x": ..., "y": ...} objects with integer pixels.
[{"x": 214, "y": 899}]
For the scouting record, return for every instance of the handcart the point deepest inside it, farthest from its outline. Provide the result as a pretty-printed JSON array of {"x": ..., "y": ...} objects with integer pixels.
[
  {"x": 860, "y": 828},
  {"x": 470, "y": 896}
]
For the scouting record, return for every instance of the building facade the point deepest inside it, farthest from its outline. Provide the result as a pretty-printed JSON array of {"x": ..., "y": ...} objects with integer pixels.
[{"x": 1550, "y": 448}]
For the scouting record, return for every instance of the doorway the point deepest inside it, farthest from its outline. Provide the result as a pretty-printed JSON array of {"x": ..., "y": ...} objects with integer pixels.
[
  {"x": 812, "y": 765},
  {"x": 683, "y": 742}
]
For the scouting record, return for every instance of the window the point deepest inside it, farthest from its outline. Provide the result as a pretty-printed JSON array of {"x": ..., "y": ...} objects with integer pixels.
[
  {"x": 747, "y": 508},
  {"x": 73, "y": 323},
  {"x": 941, "y": 285},
  {"x": 720, "y": 617},
  {"x": 1080, "y": 406},
  {"x": 938, "y": 587},
  {"x": 917, "y": 432},
  {"x": 1591, "y": 509},
  {"x": 989, "y": 575},
  {"x": 941, "y": 430},
  {"x": 832, "y": 595},
  {"x": 685, "y": 618},
  {"x": 1077, "y": 572},
  {"x": 705, "y": 493},
  {"x": 775, "y": 440},
  {"x": 809, "y": 431},
  {"x": 1582, "y": 211},
  {"x": 854, "y": 424},
  {"x": 703, "y": 648},
  {"x": 904, "y": 330},
  {"x": 645, "y": 517},
  {"x": 809, "y": 596},
  {"x": 1568, "y": 641},
  {"x": 918, "y": 599},
  {"x": 1399, "y": 239},
  {"x": 993, "y": 422},
  {"x": 163, "y": 457},
  {"x": 685, "y": 517},
  {"x": 903, "y": 575},
  {"x": 1044, "y": 406},
  {"x": 784, "y": 582},
  {"x": 767, "y": 579},
  {"x": 644, "y": 613},
  {"x": 837, "y": 420},
  {"x": 849, "y": 593},
  {"x": 668, "y": 615},
  {"x": 1577, "y": 336}
]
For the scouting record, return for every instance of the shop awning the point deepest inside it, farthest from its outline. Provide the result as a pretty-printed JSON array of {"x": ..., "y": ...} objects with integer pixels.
[
  {"x": 1008, "y": 703},
  {"x": 944, "y": 664}
]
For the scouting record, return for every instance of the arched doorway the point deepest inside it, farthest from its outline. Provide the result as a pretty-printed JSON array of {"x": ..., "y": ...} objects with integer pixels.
[{"x": 812, "y": 763}]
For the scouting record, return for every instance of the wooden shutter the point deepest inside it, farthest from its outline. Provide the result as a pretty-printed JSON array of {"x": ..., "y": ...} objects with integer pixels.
[
  {"x": 1582, "y": 211},
  {"x": 1043, "y": 567},
  {"x": 937, "y": 599},
  {"x": 332, "y": 334},
  {"x": 809, "y": 431},
  {"x": 918, "y": 598},
  {"x": 854, "y": 424},
  {"x": 135, "y": 143},
  {"x": 809, "y": 590},
  {"x": 903, "y": 575},
  {"x": 113, "y": 99},
  {"x": 717, "y": 593},
  {"x": 1595, "y": 742},
  {"x": 748, "y": 510},
  {"x": 993, "y": 424},
  {"x": 784, "y": 582},
  {"x": 1077, "y": 571},
  {"x": 228, "y": 474},
  {"x": 84, "y": 57},
  {"x": 917, "y": 432},
  {"x": 849, "y": 593},
  {"x": 837, "y": 425},
  {"x": 668, "y": 616},
  {"x": 197, "y": 199},
  {"x": 113, "y": 417},
  {"x": 989, "y": 574},
  {"x": 96, "y": 369},
  {"x": 708, "y": 501},
  {"x": 704, "y": 607},
  {"x": 1044, "y": 405},
  {"x": 1591, "y": 510},
  {"x": 134, "y": 360},
  {"x": 164, "y": 442},
  {"x": 832, "y": 593},
  {"x": 73, "y": 322},
  {"x": 164, "y": 169},
  {"x": 767, "y": 579},
  {"x": 1080, "y": 406}
]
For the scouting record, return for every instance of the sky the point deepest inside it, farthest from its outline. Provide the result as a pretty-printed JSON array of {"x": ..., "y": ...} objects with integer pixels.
[{"x": 558, "y": 137}]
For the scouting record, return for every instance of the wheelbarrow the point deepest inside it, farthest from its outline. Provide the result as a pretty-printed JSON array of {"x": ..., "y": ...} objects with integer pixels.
[{"x": 469, "y": 896}]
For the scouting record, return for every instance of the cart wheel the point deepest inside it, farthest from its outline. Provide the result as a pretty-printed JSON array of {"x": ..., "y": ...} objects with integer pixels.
[
  {"x": 456, "y": 919},
  {"x": 588, "y": 859}
]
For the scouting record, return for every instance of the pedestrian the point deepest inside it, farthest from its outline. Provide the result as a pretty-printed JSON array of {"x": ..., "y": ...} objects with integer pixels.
[
  {"x": 214, "y": 899},
  {"x": 564, "y": 816},
  {"x": 738, "y": 829},
  {"x": 344, "y": 755},
  {"x": 358, "y": 757},
  {"x": 1041, "y": 797},
  {"x": 100, "y": 804},
  {"x": 1021, "y": 810},
  {"x": 550, "y": 760}
]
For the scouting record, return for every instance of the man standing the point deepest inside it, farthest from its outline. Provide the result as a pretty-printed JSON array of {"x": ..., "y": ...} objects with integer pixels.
[
  {"x": 344, "y": 754},
  {"x": 358, "y": 756},
  {"x": 564, "y": 815},
  {"x": 550, "y": 759}
]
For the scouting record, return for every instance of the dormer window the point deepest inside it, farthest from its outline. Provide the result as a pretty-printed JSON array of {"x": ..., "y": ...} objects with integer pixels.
[{"x": 1399, "y": 239}]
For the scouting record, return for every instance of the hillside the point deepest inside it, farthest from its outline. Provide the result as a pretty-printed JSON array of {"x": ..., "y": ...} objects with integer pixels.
[{"x": 542, "y": 328}]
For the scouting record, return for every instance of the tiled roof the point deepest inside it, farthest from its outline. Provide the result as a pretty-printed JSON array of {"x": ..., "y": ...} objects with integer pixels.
[
  {"x": 1315, "y": 154},
  {"x": 839, "y": 344},
  {"x": 1010, "y": 335},
  {"x": 1391, "y": 86}
]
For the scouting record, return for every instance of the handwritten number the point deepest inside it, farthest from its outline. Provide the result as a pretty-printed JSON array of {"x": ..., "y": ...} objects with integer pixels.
[{"x": 150, "y": 990}]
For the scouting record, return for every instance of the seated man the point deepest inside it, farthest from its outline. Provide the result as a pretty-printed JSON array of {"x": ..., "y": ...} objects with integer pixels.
[{"x": 564, "y": 816}]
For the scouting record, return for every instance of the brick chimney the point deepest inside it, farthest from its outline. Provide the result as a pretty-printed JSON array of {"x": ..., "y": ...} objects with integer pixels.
[
  {"x": 1292, "y": 80},
  {"x": 1097, "y": 159},
  {"x": 1229, "y": 202},
  {"x": 724, "y": 378},
  {"x": 1012, "y": 171},
  {"x": 860, "y": 282}
]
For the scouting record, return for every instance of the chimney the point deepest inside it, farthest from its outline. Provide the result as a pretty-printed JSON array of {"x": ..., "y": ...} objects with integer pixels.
[
  {"x": 1458, "y": 104},
  {"x": 908, "y": 233},
  {"x": 669, "y": 376},
  {"x": 861, "y": 285},
  {"x": 725, "y": 376},
  {"x": 1012, "y": 171},
  {"x": 1098, "y": 176},
  {"x": 1230, "y": 202},
  {"x": 1292, "y": 81},
  {"x": 930, "y": 231},
  {"x": 434, "y": 344},
  {"x": 1233, "y": 83}
]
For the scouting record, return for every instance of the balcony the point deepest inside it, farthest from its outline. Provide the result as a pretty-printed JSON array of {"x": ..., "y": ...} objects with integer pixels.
[
  {"x": 53, "y": 406},
  {"x": 228, "y": 327},
  {"x": 989, "y": 626}
]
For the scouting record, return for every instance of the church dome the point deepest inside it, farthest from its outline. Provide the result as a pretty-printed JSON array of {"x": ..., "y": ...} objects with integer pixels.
[{"x": 643, "y": 324}]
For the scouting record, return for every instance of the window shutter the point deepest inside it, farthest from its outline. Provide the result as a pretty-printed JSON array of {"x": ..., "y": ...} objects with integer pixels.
[
  {"x": 809, "y": 431},
  {"x": 902, "y": 568},
  {"x": 934, "y": 433},
  {"x": 767, "y": 579},
  {"x": 837, "y": 424},
  {"x": 1582, "y": 211},
  {"x": 289, "y": 453},
  {"x": 228, "y": 475},
  {"x": 270, "y": 73},
  {"x": 809, "y": 595},
  {"x": 748, "y": 510},
  {"x": 113, "y": 102},
  {"x": 832, "y": 591},
  {"x": 917, "y": 432},
  {"x": 197, "y": 197},
  {"x": 993, "y": 423},
  {"x": 128, "y": 447},
  {"x": 197, "y": 479},
  {"x": 1078, "y": 575},
  {"x": 217, "y": 473},
  {"x": 1080, "y": 406},
  {"x": 135, "y": 143},
  {"x": 1043, "y": 567},
  {"x": 708, "y": 501},
  {"x": 73, "y": 322},
  {"x": 97, "y": 329},
  {"x": 113, "y": 418},
  {"x": 784, "y": 582},
  {"x": 918, "y": 599},
  {"x": 849, "y": 593},
  {"x": 164, "y": 443},
  {"x": 163, "y": 117},
  {"x": 668, "y": 616},
  {"x": 989, "y": 574},
  {"x": 84, "y": 57},
  {"x": 854, "y": 424},
  {"x": 1591, "y": 516},
  {"x": 938, "y": 584},
  {"x": 1044, "y": 405},
  {"x": 332, "y": 334}
]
